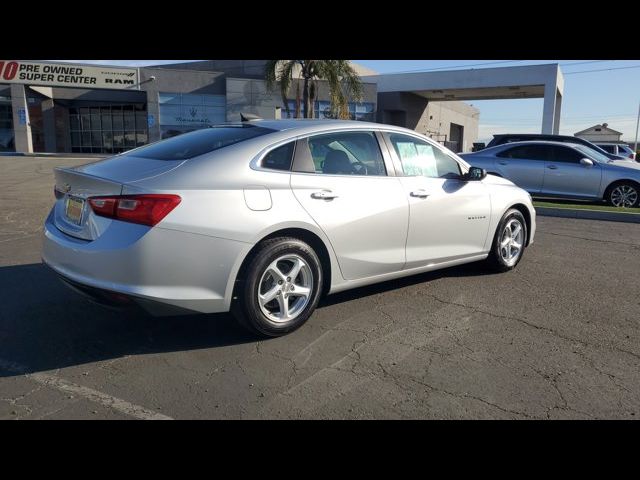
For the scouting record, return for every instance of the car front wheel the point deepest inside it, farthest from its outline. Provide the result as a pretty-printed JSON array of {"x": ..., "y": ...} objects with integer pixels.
[
  {"x": 624, "y": 195},
  {"x": 280, "y": 287},
  {"x": 508, "y": 242}
]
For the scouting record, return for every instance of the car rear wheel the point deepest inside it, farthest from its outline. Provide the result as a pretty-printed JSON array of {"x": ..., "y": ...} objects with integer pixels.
[
  {"x": 624, "y": 195},
  {"x": 508, "y": 242},
  {"x": 280, "y": 287}
]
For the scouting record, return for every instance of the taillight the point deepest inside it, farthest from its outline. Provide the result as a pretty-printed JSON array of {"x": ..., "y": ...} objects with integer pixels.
[{"x": 146, "y": 209}]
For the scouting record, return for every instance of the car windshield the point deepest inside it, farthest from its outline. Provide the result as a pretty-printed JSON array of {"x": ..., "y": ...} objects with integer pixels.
[
  {"x": 591, "y": 153},
  {"x": 192, "y": 144}
]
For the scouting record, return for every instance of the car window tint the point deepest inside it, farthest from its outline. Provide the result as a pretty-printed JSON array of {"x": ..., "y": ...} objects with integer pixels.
[
  {"x": 526, "y": 152},
  {"x": 566, "y": 155},
  {"x": 192, "y": 144},
  {"x": 420, "y": 158},
  {"x": 279, "y": 158},
  {"x": 347, "y": 153}
]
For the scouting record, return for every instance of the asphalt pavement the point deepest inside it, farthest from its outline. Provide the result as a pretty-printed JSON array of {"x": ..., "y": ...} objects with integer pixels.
[{"x": 555, "y": 338}]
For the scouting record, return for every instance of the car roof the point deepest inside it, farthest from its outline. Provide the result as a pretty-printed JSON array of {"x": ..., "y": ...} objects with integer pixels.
[
  {"x": 307, "y": 125},
  {"x": 535, "y": 135},
  {"x": 536, "y": 142}
]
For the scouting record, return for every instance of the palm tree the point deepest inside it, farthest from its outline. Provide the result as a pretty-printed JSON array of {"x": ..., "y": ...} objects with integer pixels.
[{"x": 343, "y": 81}]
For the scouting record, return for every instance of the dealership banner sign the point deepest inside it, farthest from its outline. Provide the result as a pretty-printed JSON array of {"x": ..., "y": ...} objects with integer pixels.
[{"x": 67, "y": 75}]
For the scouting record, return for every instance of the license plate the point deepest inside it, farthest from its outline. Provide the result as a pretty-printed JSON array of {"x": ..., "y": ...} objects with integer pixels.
[{"x": 73, "y": 209}]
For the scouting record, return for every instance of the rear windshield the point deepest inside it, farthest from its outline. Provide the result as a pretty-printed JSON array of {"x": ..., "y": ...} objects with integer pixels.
[{"x": 192, "y": 144}]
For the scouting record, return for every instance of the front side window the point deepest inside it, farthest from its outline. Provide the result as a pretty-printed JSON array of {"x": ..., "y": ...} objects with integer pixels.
[
  {"x": 347, "y": 153},
  {"x": 420, "y": 158},
  {"x": 589, "y": 153},
  {"x": 566, "y": 155}
]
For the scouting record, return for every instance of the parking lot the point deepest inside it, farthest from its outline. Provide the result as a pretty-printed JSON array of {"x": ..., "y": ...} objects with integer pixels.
[{"x": 556, "y": 338}]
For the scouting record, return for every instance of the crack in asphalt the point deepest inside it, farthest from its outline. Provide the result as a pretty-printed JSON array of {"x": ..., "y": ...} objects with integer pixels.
[
  {"x": 473, "y": 397},
  {"x": 537, "y": 327}
]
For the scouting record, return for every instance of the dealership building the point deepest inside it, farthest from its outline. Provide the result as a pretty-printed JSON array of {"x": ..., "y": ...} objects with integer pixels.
[{"x": 78, "y": 108}]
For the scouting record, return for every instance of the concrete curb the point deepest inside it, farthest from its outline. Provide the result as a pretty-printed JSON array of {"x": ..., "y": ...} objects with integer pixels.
[{"x": 588, "y": 214}]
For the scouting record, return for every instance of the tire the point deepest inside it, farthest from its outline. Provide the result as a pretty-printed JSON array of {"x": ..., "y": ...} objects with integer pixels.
[
  {"x": 623, "y": 194},
  {"x": 501, "y": 258},
  {"x": 272, "y": 262}
]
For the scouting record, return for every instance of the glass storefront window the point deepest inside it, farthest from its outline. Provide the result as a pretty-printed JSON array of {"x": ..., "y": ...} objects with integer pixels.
[
  {"x": 108, "y": 129},
  {"x": 357, "y": 111},
  {"x": 184, "y": 112},
  {"x": 141, "y": 139},
  {"x": 6, "y": 127},
  {"x": 129, "y": 121}
]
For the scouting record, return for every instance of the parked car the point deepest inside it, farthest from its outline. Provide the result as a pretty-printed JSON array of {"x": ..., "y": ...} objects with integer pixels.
[
  {"x": 503, "y": 138},
  {"x": 567, "y": 170},
  {"x": 264, "y": 217},
  {"x": 620, "y": 149}
]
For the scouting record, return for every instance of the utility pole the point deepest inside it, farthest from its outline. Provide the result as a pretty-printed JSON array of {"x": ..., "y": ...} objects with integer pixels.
[{"x": 635, "y": 144}]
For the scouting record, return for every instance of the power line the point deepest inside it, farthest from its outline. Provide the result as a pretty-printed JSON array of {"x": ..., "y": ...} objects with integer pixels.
[
  {"x": 569, "y": 117},
  {"x": 420, "y": 70},
  {"x": 603, "y": 69},
  {"x": 458, "y": 66},
  {"x": 583, "y": 63}
]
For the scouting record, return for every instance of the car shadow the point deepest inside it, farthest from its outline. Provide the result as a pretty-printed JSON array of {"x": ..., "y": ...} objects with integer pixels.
[
  {"x": 466, "y": 270},
  {"x": 45, "y": 326}
]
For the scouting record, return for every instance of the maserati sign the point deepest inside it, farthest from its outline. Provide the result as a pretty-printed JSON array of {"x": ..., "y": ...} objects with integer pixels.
[{"x": 67, "y": 75}]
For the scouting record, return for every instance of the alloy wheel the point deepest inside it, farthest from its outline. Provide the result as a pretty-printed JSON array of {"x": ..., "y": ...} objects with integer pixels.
[
  {"x": 624, "y": 196},
  {"x": 511, "y": 242},
  {"x": 285, "y": 288}
]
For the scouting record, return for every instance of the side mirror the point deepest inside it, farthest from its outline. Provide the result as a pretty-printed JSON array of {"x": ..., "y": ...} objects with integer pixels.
[
  {"x": 475, "y": 174},
  {"x": 587, "y": 162}
]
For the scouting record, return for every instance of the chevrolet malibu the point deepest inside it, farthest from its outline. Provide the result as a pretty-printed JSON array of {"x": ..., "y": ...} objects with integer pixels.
[{"x": 263, "y": 217}]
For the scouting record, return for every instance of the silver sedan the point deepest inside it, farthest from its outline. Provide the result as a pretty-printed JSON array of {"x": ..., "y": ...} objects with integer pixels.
[
  {"x": 564, "y": 170},
  {"x": 264, "y": 217}
]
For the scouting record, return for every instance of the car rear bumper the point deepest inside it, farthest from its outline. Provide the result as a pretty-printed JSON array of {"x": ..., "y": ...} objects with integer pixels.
[{"x": 163, "y": 271}]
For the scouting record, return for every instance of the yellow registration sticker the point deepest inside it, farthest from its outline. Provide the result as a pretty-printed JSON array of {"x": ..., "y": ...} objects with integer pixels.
[{"x": 73, "y": 209}]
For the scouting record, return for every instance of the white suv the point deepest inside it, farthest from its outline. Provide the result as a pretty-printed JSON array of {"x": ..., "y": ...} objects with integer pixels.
[{"x": 618, "y": 149}]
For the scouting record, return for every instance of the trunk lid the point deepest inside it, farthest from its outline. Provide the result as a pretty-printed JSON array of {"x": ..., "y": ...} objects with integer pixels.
[{"x": 73, "y": 214}]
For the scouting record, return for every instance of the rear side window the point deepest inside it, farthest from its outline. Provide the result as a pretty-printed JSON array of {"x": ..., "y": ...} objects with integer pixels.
[
  {"x": 279, "y": 158},
  {"x": 192, "y": 144},
  {"x": 527, "y": 152}
]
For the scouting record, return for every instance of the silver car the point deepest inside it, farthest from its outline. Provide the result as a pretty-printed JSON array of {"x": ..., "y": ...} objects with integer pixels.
[
  {"x": 554, "y": 169},
  {"x": 264, "y": 217}
]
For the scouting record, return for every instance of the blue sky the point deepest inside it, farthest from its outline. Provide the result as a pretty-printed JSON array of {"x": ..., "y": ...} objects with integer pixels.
[{"x": 609, "y": 96}]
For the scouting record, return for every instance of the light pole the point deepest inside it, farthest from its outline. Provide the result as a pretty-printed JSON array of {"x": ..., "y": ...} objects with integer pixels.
[{"x": 635, "y": 144}]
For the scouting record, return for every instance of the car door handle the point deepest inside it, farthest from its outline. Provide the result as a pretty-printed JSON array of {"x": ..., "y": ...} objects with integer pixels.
[
  {"x": 419, "y": 194},
  {"x": 552, "y": 167},
  {"x": 503, "y": 163},
  {"x": 324, "y": 195}
]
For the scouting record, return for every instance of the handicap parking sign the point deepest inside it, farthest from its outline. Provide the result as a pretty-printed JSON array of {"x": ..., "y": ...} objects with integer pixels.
[{"x": 22, "y": 115}]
